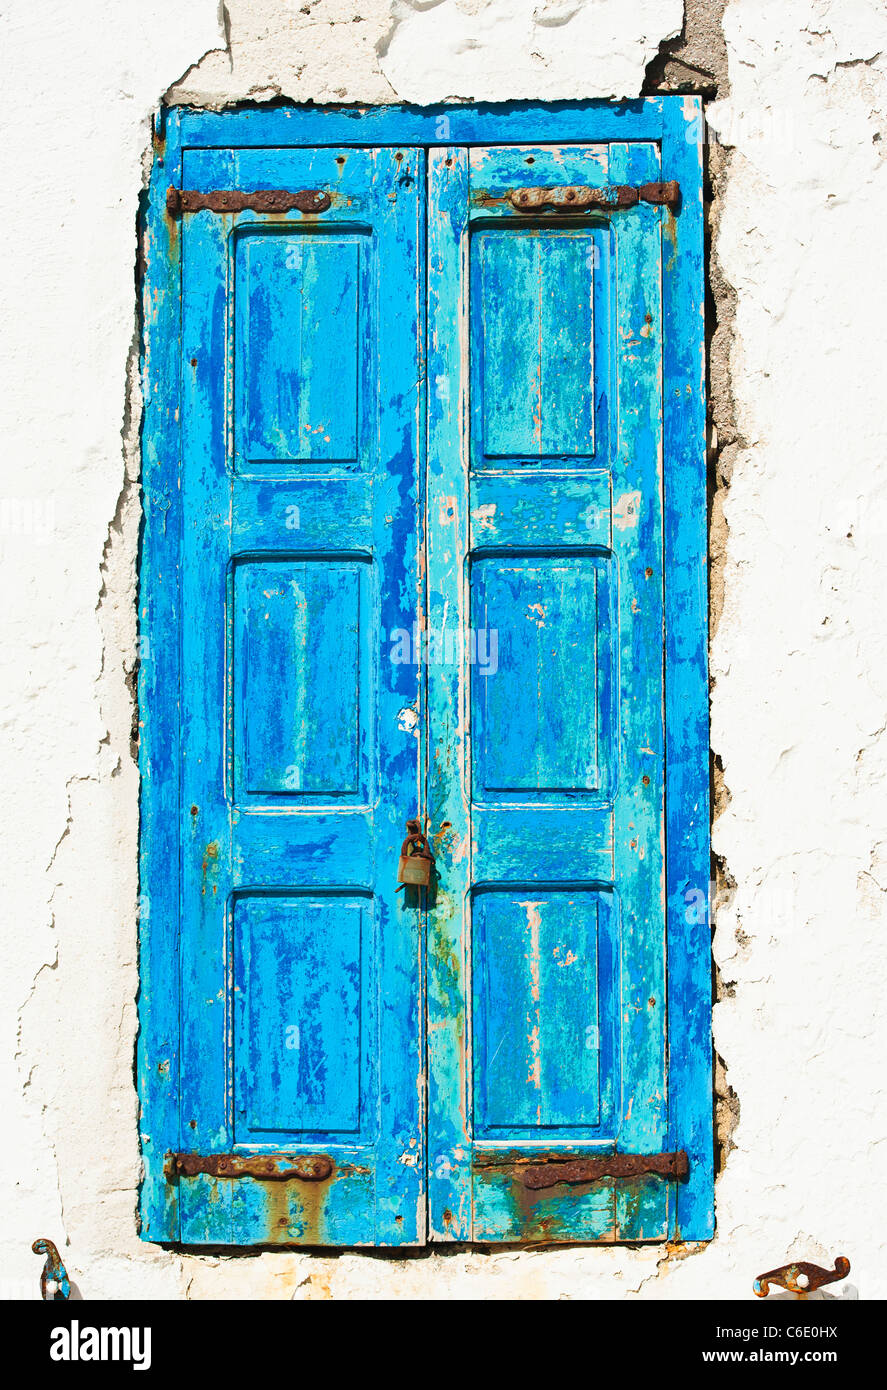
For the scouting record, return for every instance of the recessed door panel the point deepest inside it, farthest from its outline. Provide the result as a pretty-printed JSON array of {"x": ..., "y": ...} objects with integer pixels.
[
  {"x": 544, "y": 988},
  {"x": 301, "y": 687},
  {"x": 303, "y": 345},
  {"x": 541, "y": 722},
  {"x": 304, "y": 988},
  {"x": 532, "y": 310}
]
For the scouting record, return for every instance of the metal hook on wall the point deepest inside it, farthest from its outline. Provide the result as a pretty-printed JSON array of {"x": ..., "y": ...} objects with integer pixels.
[
  {"x": 55, "y": 1285},
  {"x": 801, "y": 1278}
]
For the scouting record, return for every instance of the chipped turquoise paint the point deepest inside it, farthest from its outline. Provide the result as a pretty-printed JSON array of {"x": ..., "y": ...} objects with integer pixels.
[
  {"x": 549, "y": 620},
  {"x": 295, "y": 621},
  {"x": 290, "y": 1001},
  {"x": 533, "y": 389},
  {"x": 296, "y": 394},
  {"x": 562, "y": 794},
  {"x": 296, "y": 532},
  {"x": 548, "y": 957},
  {"x": 308, "y": 959}
]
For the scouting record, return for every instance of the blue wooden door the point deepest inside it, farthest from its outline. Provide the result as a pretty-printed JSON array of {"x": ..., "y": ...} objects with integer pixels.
[
  {"x": 547, "y": 964},
  {"x": 301, "y": 1041},
  {"x": 406, "y": 521}
]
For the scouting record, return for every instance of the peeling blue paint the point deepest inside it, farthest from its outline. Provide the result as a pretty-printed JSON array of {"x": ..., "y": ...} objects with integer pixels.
[{"x": 562, "y": 763}]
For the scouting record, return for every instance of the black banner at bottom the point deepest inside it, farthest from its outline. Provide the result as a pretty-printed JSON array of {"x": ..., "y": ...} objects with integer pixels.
[{"x": 639, "y": 1337}]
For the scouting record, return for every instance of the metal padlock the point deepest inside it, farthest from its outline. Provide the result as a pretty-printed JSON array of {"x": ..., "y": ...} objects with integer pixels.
[{"x": 414, "y": 868}]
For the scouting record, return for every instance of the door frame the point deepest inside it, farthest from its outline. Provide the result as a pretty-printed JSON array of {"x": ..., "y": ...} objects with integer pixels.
[{"x": 675, "y": 123}]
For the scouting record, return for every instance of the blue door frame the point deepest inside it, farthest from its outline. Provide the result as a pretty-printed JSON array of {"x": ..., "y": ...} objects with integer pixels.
[{"x": 674, "y": 126}]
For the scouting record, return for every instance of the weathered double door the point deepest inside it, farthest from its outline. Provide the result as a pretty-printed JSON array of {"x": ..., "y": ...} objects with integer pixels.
[{"x": 422, "y": 575}]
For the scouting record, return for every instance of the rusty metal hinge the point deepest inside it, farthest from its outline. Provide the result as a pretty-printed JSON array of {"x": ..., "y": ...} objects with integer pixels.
[
  {"x": 579, "y": 198},
  {"x": 551, "y": 1168},
  {"x": 801, "y": 1278},
  {"x": 269, "y": 1167},
  {"x": 578, "y": 1170},
  {"x": 179, "y": 200}
]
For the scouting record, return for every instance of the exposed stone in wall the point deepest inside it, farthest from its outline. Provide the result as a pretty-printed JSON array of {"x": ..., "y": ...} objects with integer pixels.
[{"x": 696, "y": 59}]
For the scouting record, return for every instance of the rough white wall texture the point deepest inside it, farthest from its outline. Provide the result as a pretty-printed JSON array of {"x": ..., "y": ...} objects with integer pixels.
[
  {"x": 799, "y": 656},
  {"x": 431, "y": 50}
]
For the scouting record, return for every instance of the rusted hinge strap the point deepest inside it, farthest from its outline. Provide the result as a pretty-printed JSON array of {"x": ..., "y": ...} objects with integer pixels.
[
  {"x": 179, "y": 200},
  {"x": 303, "y": 1167},
  {"x": 577, "y": 1170},
  {"x": 578, "y": 198}
]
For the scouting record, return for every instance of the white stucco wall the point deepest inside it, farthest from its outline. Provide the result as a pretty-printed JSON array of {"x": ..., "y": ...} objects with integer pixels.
[{"x": 799, "y": 657}]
